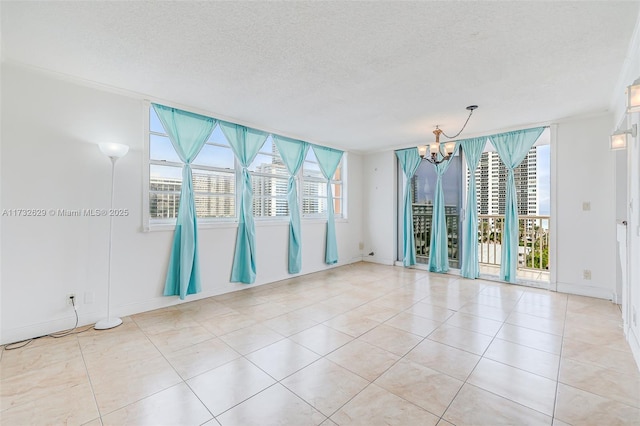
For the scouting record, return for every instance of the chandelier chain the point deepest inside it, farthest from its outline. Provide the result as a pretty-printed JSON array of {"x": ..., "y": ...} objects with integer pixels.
[{"x": 463, "y": 126}]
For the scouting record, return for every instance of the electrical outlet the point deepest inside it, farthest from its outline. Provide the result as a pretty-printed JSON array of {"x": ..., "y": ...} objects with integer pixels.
[
  {"x": 71, "y": 296},
  {"x": 586, "y": 206},
  {"x": 361, "y": 246},
  {"x": 586, "y": 274}
]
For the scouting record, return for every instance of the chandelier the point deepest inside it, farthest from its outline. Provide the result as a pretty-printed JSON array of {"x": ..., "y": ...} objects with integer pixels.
[{"x": 435, "y": 148}]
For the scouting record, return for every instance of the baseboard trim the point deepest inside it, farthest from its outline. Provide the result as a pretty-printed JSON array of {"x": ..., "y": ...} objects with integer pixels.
[
  {"x": 635, "y": 346},
  {"x": 584, "y": 290}
]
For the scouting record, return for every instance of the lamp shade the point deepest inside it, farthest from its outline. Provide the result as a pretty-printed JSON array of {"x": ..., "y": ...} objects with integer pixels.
[
  {"x": 422, "y": 151},
  {"x": 633, "y": 97},
  {"x": 618, "y": 140},
  {"x": 449, "y": 147},
  {"x": 114, "y": 150}
]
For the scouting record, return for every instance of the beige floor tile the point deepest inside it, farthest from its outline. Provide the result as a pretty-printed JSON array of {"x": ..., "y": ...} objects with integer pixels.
[
  {"x": 169, "y": 341},
  {"x": 525, "y": 358},
  {"x": 352, "y": 324},
  {"x": 227, "y": 322},
  {"x": 484, "y": 311},
  {"x": 131, "y": 383},
  {"x": 478, "y": 324},
  {"x": 273, "y": 406},
  {"x": 321, "y": 339},
  {"x": 351, "y": 357},
  {"x": 377, "y": 407},
  {"x": 251, "y": 338},
  {"x": 475, "y": 406},
  {"x": 554, "y": 312},
  {"x": 289, "y": 324},
  {"x": 20, "y": 361},
  {"x": 413, "y": 324},
  {"x": 447, "y": 300},
  {"x": 325, "y": 385},
  {"x": 165, "y": 319},
  {"x": 263, "y": 311},
  {"x": 594, "y": 323},
  {"x": 205, "y": 356},
  {"x": 174, "y": 406},
  {"x": 593, "y": 307},
  {"x": 369, "y": 309},
  {"x": 531, "y": 338},
  {"x": 431, "y": 312},
  {"x": 427, "y": 388},
  {"x": 446, "y": 359},
  {"x": 70, "y": 406},
  {"x": 525, "y": 388},
  {"x": 622, "y": 387},
  {"x": 202, "y": 310},
  {"x": 504, "y": 292},
  {"x": 375, "y": 311},
  {"x": 544, "y": 325},
  {"x": 223, "y": 387},
  {"x": 460, "y": 338},
  {"x": 597, "y": 336},
  {"x": 282, "y": 358},
  {"x": 391, "y": 339},
  {"x": 577, "y": 407},
  {"x": 601, "y": 356},
  {"x": 39, "y": 383},
  {"x": 320, "y": 312}
]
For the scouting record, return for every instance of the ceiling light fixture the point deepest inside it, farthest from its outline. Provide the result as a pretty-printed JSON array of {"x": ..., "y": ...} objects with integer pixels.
[{"x": 435, "y": 148}]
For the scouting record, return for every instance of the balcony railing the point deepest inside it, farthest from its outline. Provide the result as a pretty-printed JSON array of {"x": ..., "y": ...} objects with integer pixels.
[
  {"x": 533, "y": 250},
  {"x": 422, "y": 214}
]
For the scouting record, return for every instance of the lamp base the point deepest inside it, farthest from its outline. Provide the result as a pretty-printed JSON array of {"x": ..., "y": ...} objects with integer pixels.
[{"x": 107, "y": 323}]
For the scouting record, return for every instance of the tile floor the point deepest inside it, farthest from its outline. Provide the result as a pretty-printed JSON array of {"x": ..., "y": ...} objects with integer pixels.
[{"x": 360, "y": 344}]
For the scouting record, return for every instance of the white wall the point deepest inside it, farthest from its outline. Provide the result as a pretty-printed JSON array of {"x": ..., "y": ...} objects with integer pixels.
[
  {"x": 50, "y": 128},
  {"x": 631, "y": 300},
  {"x": 380, "y": 207},
  {"x": 586, "y": 240}
]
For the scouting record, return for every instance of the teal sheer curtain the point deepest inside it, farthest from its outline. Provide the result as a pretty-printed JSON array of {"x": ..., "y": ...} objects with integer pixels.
[
  {"x": 439, "y": 244},
  {"x": 293, "y": 153},
  {"x": 409, "y": 161},
  {"x": 245, "y": 143},
  {"x": 512, "y": 147},
  {"x": 188, "y": 133},
  {"x": 328, "y": 160},
  {"x": 472, "y": 149}
]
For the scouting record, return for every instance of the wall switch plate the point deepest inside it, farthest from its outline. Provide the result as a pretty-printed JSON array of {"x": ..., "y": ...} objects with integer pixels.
[
  {"x": 586, "y": 274},
  {"x": 586, "y": 206}
]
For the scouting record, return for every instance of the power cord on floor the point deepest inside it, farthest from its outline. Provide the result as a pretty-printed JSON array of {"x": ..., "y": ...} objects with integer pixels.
[{"x": 23, "y": 343}]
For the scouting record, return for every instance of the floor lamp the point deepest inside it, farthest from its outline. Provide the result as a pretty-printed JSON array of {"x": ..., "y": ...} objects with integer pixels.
[{"x": 114, "y": 151}]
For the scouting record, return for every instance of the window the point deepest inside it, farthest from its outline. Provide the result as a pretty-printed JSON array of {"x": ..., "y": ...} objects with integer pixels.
[
  {"x": 216, "y": 172},
  {"x": 314, "y": 188},
  {"x": 213, "y": 173},
  {"x": 270, "y": 178}
]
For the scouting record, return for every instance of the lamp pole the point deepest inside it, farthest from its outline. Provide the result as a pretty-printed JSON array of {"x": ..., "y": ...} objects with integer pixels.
[{"x": 114, "y": 152}]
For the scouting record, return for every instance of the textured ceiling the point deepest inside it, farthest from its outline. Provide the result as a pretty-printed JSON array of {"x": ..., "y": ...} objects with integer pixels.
[{"x": 354, "y": 75}]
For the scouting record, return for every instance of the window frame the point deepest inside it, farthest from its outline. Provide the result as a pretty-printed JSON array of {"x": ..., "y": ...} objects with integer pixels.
[{"x": 168, "y": 224}]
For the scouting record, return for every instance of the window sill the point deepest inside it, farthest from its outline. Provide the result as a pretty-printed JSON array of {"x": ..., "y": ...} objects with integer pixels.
[{"x": 228, "y": 224}]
